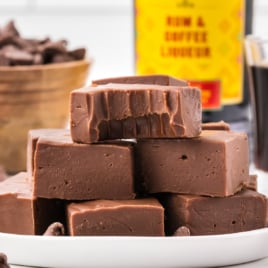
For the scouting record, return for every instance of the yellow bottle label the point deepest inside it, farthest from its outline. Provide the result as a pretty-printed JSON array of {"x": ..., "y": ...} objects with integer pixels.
[{"x": 200, "y": 41}]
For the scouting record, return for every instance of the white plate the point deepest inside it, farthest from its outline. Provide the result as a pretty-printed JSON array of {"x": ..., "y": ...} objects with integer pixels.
[{"x": 196, "y": 251}]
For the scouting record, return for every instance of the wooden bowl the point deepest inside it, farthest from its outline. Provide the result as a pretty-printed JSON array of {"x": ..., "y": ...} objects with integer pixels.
[{"x": 34, "y": 97}]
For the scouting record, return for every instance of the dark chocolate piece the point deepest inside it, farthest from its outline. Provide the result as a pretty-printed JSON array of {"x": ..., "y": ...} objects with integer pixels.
[
  {"x": 214, "y": 164},
  {"x": 10, "y": 29},
  {"x": 138, "y": 217},
  {"x": 3, "y": 261},
  {"x": 117, "y": 111},
  {"x": 163, "y": 80},
  {"x": 221, "y": 125},
  {"x": 55, "y": 229},
  {"x": 19, "y": 57},
  {"x": 3, "y": 60},
  {"x": 38, "y": 59},
  {"x": 58, "y": 58},
  {"x": 78, "y": 53},
  {"x": 67, "y": 170},
  {"x": 33, "y": 51},
  {"x": 21, "y": 212},
  {"x": 244, "y": 211},
  {"x": 182, "y": 231}
]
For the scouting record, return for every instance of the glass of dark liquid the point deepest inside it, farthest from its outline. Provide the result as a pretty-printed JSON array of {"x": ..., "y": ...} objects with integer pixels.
[{"x": 256, "y": 50}]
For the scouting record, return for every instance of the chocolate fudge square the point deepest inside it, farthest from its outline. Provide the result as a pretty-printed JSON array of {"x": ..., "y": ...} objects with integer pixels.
[
  {"x": 122, "y": 111},
  {"x": 139, "y": 217},
  {"x": 244, "y": 211},
  {"x": 215, "y": 164},
  {"x": 67, "y": 170},
  {"x": 21, "y": 212}
]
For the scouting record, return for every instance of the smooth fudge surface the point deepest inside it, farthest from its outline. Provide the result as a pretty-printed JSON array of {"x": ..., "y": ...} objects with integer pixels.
[
  {"x": 67, "y": 170},
  {"x": 118, "y": 111},
  {"x": 20, "y": 212},
  {"x": 215, "y": 164},
  {"x": 244, "y": 211},
  {"x": 220, "y": 125},
  {"x": 138, "y": 217},
  {"x": 164, "y": 80},
  {"x": 33, "y": 136}
]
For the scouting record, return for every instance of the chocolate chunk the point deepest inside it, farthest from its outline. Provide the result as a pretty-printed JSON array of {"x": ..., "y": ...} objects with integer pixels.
[
  {"x": 19, "y": 57},
  {"x": 139, "y": 217},
  {"x": 163, "y": 80},
  {"x": 37, "y": 59},
  {"x": 67, "y": 170},
  {"x": 78, "y": 53},
  {"x": 7, "y": 40},
  {"x": 182, "y": 231},
  {"x": 55, "y": 229},
  {"x": 10, "y": 29},
  {"x": 30, "y": 51},
  {"x": 244, "y": 211},
  {"x": 117, "y": 111},
  {"x": 3, "y": 261},
  {"x": 4, "y": 60},
  {"x": 55, "y": 47},
  {"x": 58, "y": 58},
  {"x": 8, "y": 48},
  {"x": 214, "y": 164},
  {"x": 21, "y": 212},
  {"x": 221, "y": 125},
  {"x": 50, "y": 49}
]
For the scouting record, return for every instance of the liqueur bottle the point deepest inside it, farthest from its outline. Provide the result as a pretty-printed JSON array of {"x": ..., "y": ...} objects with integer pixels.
[{"x": 202, "y": 42}]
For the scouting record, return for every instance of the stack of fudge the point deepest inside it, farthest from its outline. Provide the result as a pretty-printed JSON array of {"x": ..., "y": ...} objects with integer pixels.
[{"x": 137, "y": 161}]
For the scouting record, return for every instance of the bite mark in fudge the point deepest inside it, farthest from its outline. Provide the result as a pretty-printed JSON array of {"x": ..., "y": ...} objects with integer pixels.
[
  {"x": 55, "y": 229},
  {"x": 221, "y": 125},
  {"x": 67, "y": 170},
  {"x": 138, "y": 217},
  {"x": 163, "y": 80},
  {"x": 244, "y": 211},
  {"x": 3, "y": 261},
  {"x": 116, "y": 111},
  {"x": 26, "y": 214},
  {"x": 215, "y": 164}
]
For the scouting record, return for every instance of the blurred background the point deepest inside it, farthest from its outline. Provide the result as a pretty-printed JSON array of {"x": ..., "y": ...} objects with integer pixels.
[{"x": 104, "y": 27}]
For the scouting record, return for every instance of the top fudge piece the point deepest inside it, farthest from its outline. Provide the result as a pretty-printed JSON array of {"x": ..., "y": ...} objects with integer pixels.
[
  {"x": 163, "y": 80},
  {"x": 115, "y": 111}
]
